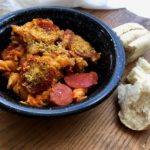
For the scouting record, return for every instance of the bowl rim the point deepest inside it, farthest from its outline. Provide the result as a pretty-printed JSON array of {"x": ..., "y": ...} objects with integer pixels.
[{"x": 91, "y": 102}]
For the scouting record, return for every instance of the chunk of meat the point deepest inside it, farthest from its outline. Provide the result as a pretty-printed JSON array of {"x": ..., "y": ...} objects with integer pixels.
[
  {"x": 37, "y": 75},
  {"x": 45, "y": 24},
  {"x": 61, "y": 95},
  {"x": 37, "y": 32},
  {"x": 83, "y": 48},
  {"x": 81, "y": 80},
  {"x": 66, "y": 39}
]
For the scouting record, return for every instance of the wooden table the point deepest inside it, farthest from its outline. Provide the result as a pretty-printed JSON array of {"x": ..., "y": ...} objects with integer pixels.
[{"x": 96, "y": 129}]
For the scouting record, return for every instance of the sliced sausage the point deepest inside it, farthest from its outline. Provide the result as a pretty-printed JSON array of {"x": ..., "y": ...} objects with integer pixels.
[
  {"x": 81, "y": 80},
  {"x": 61, "y": 95},
  {"x": 47, "y": 25}
]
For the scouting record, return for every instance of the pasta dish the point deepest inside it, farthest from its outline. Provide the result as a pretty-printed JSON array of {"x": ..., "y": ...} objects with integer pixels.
[{"x": 45, "y": 65}]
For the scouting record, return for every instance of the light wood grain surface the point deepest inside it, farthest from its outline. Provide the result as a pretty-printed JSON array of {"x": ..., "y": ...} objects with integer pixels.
[{"x": 96, "y": 129}]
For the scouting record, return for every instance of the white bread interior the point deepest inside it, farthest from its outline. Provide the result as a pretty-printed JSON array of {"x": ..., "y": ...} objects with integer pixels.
[{"x": 134, "y": 98}]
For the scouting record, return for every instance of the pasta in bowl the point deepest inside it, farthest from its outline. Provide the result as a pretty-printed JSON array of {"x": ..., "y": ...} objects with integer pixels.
[
  {"x": 40, "y": 56},
  {"x": 47, "y": 51}
]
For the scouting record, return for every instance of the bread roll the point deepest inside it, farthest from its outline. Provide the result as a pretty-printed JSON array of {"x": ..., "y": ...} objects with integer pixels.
[
  {"x": 124, "y": 28},
  {"x": 135, "y": 39},
  {"x": 129, "y": 37},
  {"x": 137, "y": 48},
  {"x": 134, "y": 98},
  {"x": 141, "y": 72}
]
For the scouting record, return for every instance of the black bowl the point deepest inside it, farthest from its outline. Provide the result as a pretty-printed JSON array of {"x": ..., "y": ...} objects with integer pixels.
[{"x": 109, "y": 68}]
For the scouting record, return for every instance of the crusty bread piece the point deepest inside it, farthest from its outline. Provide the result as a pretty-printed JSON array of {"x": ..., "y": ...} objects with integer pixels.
[
  {"x": 127, "y": 27},
  {"x": 135, "y": 39},
  {"x": 129, "y": 37},
  {"x": 134, "y": 99},
  {"x": 141, "y": 72},
  {"x": 138, "y": 47}
]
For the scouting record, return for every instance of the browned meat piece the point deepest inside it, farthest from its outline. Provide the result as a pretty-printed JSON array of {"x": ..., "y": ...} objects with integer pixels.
[
  {"x": 38, "y": 30},
  {"x": 37, "y": 75}
]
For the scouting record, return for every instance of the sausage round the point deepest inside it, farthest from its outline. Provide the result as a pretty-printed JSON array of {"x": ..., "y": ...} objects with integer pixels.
[
  {"x": 81, "y": 80},
  {"x": 61, "y": 95}
]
